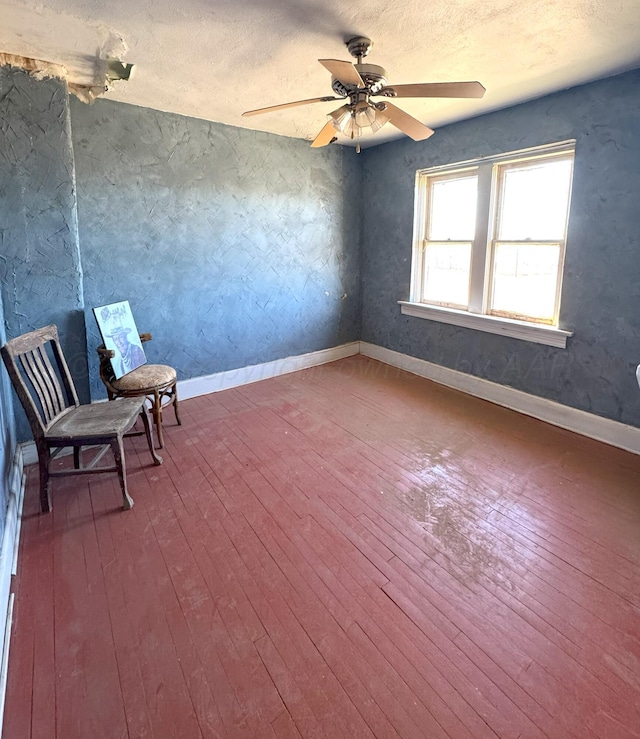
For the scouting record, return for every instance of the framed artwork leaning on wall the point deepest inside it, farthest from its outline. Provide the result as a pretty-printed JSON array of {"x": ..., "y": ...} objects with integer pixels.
[{"x": 119, "y": 333}]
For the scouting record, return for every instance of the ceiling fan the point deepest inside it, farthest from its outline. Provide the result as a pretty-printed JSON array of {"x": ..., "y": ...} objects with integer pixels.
[{"x": 360, "y": 83}]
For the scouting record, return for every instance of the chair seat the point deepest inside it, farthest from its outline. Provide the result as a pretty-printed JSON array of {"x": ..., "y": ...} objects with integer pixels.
[
  {"x": 157, "y": 382},
  {"x": 147, "y": 377},
  {"x": 96, "y": 421}
]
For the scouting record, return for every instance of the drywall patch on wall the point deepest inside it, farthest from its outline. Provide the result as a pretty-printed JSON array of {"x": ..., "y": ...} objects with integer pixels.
[
  {"x": 40, "y": 269},
  {"x": 233, "y": 247},
  {"x": 602, "y": 272}
]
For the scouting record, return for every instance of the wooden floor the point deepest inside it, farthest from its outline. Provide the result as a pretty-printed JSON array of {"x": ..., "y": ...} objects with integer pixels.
[{"x": 347, "y": 551}]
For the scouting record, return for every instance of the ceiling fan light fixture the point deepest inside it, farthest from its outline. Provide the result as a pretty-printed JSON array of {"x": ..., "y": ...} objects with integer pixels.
[
  {"x": 380, "y": 119},
  {"x": 342, "y": 120},
  {"x": 369, "y": 116},
  {"x": 351, "y": 119},
  {"x": 363, "y": 115}
]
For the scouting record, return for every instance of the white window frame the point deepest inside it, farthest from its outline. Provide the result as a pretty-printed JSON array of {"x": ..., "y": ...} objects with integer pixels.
[{"x": 478, "y": 315}]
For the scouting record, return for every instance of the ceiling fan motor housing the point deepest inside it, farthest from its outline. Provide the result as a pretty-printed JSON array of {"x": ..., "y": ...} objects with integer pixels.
[{"x": 374, "y": 77}]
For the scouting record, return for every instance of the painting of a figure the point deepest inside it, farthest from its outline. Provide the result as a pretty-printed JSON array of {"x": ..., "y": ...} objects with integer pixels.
[{"x": 120, "y": 334}]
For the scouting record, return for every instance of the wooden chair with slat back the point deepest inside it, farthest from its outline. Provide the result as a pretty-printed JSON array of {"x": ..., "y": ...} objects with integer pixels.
[{"x": 43, "y": 383}]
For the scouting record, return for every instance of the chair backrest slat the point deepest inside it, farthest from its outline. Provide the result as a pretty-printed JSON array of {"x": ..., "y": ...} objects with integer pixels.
[
  {"x": 53, "y": 383},
  {"x": 32, "y": 371},
  {"x": 45, "y": 388},
  {"x": 39, "y": 370}
]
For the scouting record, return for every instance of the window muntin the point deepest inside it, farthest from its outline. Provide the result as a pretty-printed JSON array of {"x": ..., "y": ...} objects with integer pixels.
[{"x": 510, "y": 263}]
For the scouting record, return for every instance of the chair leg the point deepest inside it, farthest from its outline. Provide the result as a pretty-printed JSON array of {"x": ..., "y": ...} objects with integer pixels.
[
  {"x": 149, "y": 434},
  {"x": 44, "y": 457},
  {"x": 76, "y": 457},
  {"x": 118, "y": 454},
  {"x": 156, "y": 411},
  {"x": 175, "y": 404}
]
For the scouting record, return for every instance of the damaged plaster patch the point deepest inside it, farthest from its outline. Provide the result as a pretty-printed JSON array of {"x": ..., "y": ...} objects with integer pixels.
[
  {"x": 85, "y": 62},
  {"x": 35, "y": 67},
  {"x": 107, "y": 71},
  {"x": 113, "y": 46}
]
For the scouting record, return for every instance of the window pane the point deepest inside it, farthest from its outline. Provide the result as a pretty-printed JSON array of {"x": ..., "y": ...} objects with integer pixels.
[
  {"x": 524, "y": 279},
  {"x": 534, "y": 201},
  {"x": 453, "y": 209},
  {"x": 446, "y": 274}
]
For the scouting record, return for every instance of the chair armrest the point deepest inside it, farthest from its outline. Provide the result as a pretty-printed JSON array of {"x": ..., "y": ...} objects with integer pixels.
[{"x": 105, "y": 353}]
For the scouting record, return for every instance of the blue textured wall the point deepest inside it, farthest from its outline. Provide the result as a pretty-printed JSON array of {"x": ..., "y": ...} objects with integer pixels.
[
  {"x": 40, "y": 271},
  {"x": 601, "y": 292},
  {"x": 233, "y": 247}
]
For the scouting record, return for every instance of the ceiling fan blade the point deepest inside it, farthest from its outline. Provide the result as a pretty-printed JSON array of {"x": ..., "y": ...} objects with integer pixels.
[
  {"x": 437, "y": 90},
  {"x": 271, "y": 108},
  {"x": 407, "y": 123},
  {"x": 344, "y": 72},
  {"x": 325, "y": 136}
]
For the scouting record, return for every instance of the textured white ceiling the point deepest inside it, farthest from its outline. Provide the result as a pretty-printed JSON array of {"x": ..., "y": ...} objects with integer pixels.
[{"x": 213, "y": 59}]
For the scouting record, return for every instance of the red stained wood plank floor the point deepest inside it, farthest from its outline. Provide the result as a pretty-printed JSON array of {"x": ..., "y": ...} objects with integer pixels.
[{"x": 347, "y": 551}]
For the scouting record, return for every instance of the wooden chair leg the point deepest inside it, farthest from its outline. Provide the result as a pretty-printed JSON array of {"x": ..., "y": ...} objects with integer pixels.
[
  {"x": 76, "y": 457},
  {"x": 175, "y": 404},
  {"x": 156, "y": 411},
  {"x": 149, "y": 434},
  {"x": 118, "y": 454},
  {"x": 44, "y": 457}
]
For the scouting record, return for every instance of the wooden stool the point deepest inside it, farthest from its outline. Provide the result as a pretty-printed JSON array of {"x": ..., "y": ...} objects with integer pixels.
[{"x": 156, "y": 382}]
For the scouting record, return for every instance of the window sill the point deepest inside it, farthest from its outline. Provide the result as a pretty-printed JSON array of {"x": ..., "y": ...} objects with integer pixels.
[{"x": 537, "y": 334}]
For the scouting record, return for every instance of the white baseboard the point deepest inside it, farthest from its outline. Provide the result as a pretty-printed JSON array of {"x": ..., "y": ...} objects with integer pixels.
[
  {"x": 196, "y": 386},
  {"x": 9, "y": 561},
  {"x": 29, "y": 453},
  {"x": 595, "y": 427},
  {"x": 4, "y": 665},
  {"x": 244, "y": 375},
  {"x": 611, "y": 432}
]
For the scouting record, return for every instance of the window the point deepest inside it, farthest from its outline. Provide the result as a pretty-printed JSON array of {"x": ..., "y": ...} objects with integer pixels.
[{"x": 489, "y": 242}]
